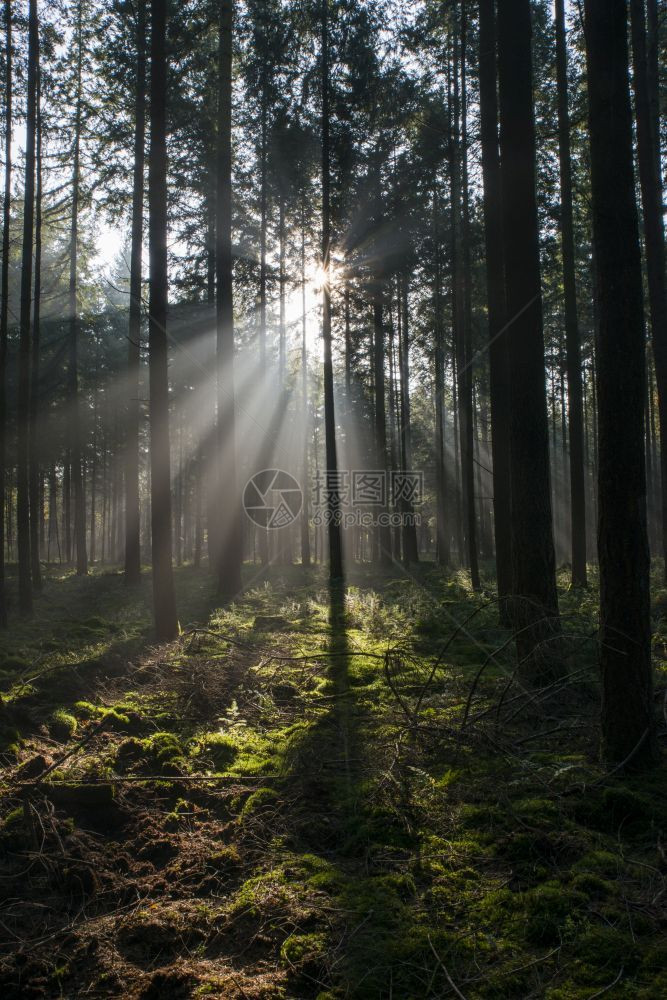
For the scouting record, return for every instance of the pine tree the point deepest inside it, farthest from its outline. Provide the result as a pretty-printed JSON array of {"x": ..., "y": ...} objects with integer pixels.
[
  {"x": 164, "y": 600},
  {"x": 23, "y": 405},
  {"x": 534, "y": 572},
  {"x": 628, "y": 725}
]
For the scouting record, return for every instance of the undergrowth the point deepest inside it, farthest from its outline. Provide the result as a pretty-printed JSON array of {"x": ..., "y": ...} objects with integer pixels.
[{"x": 314, "y": 795}]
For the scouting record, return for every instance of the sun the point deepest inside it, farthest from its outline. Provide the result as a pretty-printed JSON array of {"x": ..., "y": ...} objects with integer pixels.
[{"x": 316, "y": 275}]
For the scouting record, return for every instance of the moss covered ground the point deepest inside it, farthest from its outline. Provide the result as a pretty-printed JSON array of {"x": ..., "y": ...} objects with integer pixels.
[{"x": 317, "y": 795}]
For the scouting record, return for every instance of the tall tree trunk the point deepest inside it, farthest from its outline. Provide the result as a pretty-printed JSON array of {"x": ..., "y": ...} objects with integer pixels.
[
  {"x": 73, "y": 408},
  {"x": 335, "y": 541},
  {"x": 67, "y": 508},
  {"x": 410, "y": 548},
  {"x": 53, "y": 513},
  {"x": 394, "y": 430},
  {"x": 653, "y": 68},
  {"x": 93, "y": 476},
  {"x": 463, "y": 316},
  {"x": 164, "y": 601},
  {"x": 534, "y": 571},
  {"x": 132, "y": 511},
  {"x": 443, "y": 533},
  {"x": 572, "y": 339},
  {"x": 263, "y": 533},
  {"x": 231, "y": 538},
  {"x": 305, "y": 513},
  {"x": 382, "y": 534},
  {"x": 628, "y": 724},
  {"x": 34, "y": 435},
  {"x": 4, "y": 301},
  {"x": 23, "y": 408},
  {"x": 282, "y": 279},
  {"x": 650, "y": 178}
]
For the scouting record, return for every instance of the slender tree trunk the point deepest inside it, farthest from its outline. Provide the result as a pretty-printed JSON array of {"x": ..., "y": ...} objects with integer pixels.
[
  {"x": 650, "y": 178},
  {"x": 443, "y": 534},
  {"x": 164, "y": 601},
  {"x": 305, "y": 484},
  {"x": 535, "y": 596},
  {"x": 23, "y": 407},
  {"x": 263, "y": 534},
  {"x": 393, "y": 430},
  {"x": 178, "y": 494},
  {"x": 628, "y": 724},
  {"x": 462, "y": 310},
  {"x": 282, "y": 279},
  {"x": 67, "y": 507},
  {"x": 410, "y": 547},
  {"x": 132, "y": 511},
  {"x": 572, "y": 339},
  {"x": 73, "y": 408},
  {"x": 210, "y": 233},
  {"x": 93, "y": 478},
  {"x": 196, "y": 558},
  {"x": 335, "y": 541},
  {"x": 33, "y": 435},
  {"x": 231, "y": 537},
  {"x": 4, "y": 301},
  {"x": 383, "y": 538},
  {"x": 53, "y": 512}
]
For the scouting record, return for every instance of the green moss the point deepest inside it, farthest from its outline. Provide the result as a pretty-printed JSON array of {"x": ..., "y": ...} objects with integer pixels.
[
  {"x": 116, "y": 720},
  {"x": 261, "y": 799},
  {"x": 9, "y": 737},
  {"x": 13, "y": 818},
  {"x": 62, "y": 725},
  {"x": 226, "y": 859},
  {"x": 601, "y": 949},
  {"x": 602, "y": 862},
  {"x": 218, "y": 748},
  {"x": 302, "y": 949},
  {"x": 13, "y": 830},
  {"x": 592, "y": 885},
  {"x": 86, "y": 710},
  {"x": 163, "y": 746},
  {"x": 549, "y": 910}
]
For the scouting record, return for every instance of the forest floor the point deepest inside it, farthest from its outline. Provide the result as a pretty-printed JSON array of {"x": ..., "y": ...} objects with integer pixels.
[{"x": 316, "y": 795}]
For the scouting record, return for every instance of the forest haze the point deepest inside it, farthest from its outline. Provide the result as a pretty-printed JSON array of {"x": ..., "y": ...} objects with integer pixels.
[{"x": 333, "y": 499}]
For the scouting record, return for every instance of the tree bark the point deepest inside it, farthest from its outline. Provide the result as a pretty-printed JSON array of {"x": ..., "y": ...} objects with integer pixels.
[
  {"x": 4, "y": 300},
  {"x": 23, "y": 406},
  {"x": 650, "y": 179},
  {"x": 33, "y": 435},
  {"x": 410, "y": 547},
  {"x": 572, "y": 339},
  {"x": 628, "y": 724},
  {"x": 164, "y": 601},
  {"x": 230, "y": 551},
  {"x": 132, "y": 511},
  {"x": 335, "y": 541},
  {"x": 535, "y": 598},
  {"x": 499, "y": 375},
  {"x": 443, "y": 533},
  {"x": 305, "y": 483},
  {"x": 73, "y": 408},
  {"x": 462, "y": 311}
]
